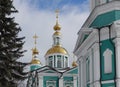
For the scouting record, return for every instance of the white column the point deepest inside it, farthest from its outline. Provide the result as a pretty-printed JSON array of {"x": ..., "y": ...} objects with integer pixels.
[
  {"x": 117, "y": 50},
  {"x": 96, "y": 62},
  {"x": 74, "y": 82},
  {"x": 46, "y": 61},
  {"x": 68, "y": 61},
  {"x": 56, "y": 60},
  {"x": 61, "y": 82},
  {"x": 53, "y": 61},
  {"x": 117, "y": 61},
  {"x": 96, "y": 54},
  {"x": 62, "y": 63},
  {"x": 79, "y": 72},
  {"x": 83, "y": 72},
  {"x": 40, "y": 81},
  {"x": 91, "y": 66}
]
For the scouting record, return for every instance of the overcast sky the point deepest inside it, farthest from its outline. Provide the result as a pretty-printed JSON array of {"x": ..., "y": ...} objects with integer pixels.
[{"x": 38, "y": 17}]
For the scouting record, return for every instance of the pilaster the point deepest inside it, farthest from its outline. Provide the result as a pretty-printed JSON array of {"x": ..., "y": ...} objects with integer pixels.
[
  {"x": 75, "y": 81},
  {"x": 61, "y": 82},
  {"x": 40, "y": 81},
  {"x": 117, "y": 50}
]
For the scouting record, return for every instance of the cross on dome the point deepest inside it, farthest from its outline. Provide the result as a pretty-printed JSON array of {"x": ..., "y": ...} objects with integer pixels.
[{"x": 35, "y": 37}]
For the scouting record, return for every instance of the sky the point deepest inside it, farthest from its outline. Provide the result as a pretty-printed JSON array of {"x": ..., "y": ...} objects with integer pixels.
[{"x": 38, "y": 17}]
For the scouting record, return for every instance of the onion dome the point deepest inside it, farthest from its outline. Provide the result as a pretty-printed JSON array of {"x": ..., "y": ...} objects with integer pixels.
[
  {"x": 35, "y": 51},
  {"x": 57, "y": 26},
  {"x": 74, "y": 64},
  {"x": 57, "y": 49},
  {"x": 35, "y": 61},
  {"x": 57, "y": 33}
]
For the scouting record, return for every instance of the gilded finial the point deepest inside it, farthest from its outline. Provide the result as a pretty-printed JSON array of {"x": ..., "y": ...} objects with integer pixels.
[
  {"x": 57, "y": 26},
  {"x": 35, "y": 37},
  {"x": 34, "y": 50},
  {"x": 74, "y": 64},
  {"x": 57, "y": 12}
]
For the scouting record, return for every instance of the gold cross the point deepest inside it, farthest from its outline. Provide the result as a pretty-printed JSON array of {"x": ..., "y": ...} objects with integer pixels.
[
  {"x": 57, "y": 12},
  {"x": 35, "y": 37}
]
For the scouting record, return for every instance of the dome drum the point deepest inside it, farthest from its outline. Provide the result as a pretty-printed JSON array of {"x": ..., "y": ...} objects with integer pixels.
[{"x": 58, "y": 61}]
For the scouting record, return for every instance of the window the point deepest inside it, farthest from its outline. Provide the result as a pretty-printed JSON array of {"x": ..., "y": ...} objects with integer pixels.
[
  {"x": 66, "y": 62},
  {"x": 108, "y": 1},
  {"x": 50, "y": 86},
  {"x": 107, "y": 61},
  {"x": 50, "y": 83},
  {"x": 58, "y": 40},
  {"x": 50, "y": 61},
  {"x": 67, "y": 86},
  {"x": 103, "y": 1},
  {"x": 59, "y": 63}
]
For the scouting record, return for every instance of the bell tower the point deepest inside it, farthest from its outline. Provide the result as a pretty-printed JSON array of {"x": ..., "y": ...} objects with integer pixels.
[
  {"x": 57, "y": 56},
  {"x": 35, "y": 63}
]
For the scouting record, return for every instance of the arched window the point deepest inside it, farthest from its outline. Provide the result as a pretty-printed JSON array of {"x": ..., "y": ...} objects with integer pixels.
[
  {"x": 50, "y": 61},
  {"x": 50, "y": 86},
  {"x": 107, "y": 61},
  {"x": 59, "y": 63},
  {"x": 58, "y": 40},
  {"x": 66, "y": 62}
]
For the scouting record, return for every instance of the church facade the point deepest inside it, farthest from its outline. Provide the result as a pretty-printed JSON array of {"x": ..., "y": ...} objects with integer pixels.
[
  {"x": 56, "y": 72},
  {"x": 98, "y": 46}
]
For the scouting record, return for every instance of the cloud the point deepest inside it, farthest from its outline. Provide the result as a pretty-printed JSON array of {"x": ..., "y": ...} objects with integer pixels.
[{"x": 33, "y": 20}]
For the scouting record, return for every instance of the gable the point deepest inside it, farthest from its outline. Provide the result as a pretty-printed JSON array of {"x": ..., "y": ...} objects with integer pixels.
[
  {"x": 73, "y": 71},
  {"x": 47, "y": 69}
]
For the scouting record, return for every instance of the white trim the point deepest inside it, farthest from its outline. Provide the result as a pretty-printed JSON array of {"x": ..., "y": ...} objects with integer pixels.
[
  {"x": 113, "y": 5},
  {"x": 108, "y": 81}
]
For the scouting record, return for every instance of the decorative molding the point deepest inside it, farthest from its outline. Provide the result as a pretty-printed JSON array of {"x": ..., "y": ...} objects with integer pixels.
[{"x": 101, "y": 9}]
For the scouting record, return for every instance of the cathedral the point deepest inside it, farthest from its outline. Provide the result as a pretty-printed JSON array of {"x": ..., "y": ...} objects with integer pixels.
[
  {"x": 97, "y": 49},
  {"x": 57, "y": 71},
  {"x": 98, "y": 46}
]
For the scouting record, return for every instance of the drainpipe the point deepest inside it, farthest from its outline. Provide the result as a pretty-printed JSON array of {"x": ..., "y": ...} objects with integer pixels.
[{"x": 100, "y": 54}]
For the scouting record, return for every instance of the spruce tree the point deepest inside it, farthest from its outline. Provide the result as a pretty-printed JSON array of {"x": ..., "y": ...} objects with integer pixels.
[{"x": 11, "y": 71}]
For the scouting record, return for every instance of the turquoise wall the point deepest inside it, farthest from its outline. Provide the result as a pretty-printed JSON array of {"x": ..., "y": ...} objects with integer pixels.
[
  {"x": 106, "y": 18},
  {"x": 75, "y": 71},
  {"x": 106, "y": 44},
  {"x": 34, "y": 67},
  {"x": 108, "y": 85},
  {"x": 50, "y": 78},
  {"x": 68, "y": 78}
]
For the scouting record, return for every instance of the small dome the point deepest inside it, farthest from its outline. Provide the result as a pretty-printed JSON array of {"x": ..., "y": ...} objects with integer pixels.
[
  {"x": 35, "y": 61},
  {"x": 74, "y": 64},
  {"x": 57, "y": 33},
  {"x": 57, "y": 27},
  {"x": 57, "y": 49},
  {"x": 35, "y": 51}
]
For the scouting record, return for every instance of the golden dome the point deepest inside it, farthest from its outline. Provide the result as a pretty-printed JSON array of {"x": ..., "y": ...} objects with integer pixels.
[
  {"x": 57, "y": 27},
  {"x": 57, "y": 33},
  {"x": 35, "y": 61},
  {"x": 56, "y": 49},
  {"x": 74, "y": 64},
  {"x": 35, "y": 51}
]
